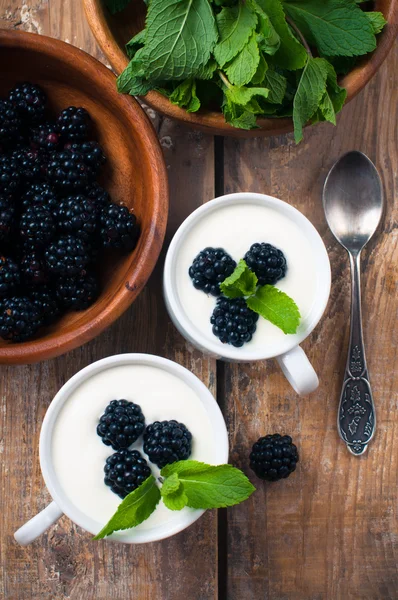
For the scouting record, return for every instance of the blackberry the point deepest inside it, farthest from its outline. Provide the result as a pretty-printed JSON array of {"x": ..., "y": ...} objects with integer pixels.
[
  {"x": 121, "y": 424},
  {"x": 10, "y": 180},
  {"x": 233, "y": 321},
  {"x": 74, "y": 124},
  {"x": 44, "y": 299},
  {"x": 119, "y": 228},
  {"x": 33, "y": 269},
  {"x": 166, "y": 442},
  {"x": 210, "y": 267},
  {"x": 40, "y": 194},
  {"x": 29, "y": 100},
  {"x": 68, "y": 171},
  {"x": 10, "y": 123},
  {"x": 274, "y": 457},
  {"x": 9, "y": 276},
  {"x": 125, "y": 471},
  {"x": 7, "y": 218},
  {"x": 91, "y": 152},
  {"x": 37, "y": 227},
  {"x": 45, "y": 137},
  {"x": 19, "y": 319},
  {"x": 97, "y": 193},
  {"x": 68, "y": 257},
  {"x": 31, "y": 164},
  {"x": 78, "y": 215},
  {"x": 78, "y": 293},
  {"x": 267, "y": 262}
]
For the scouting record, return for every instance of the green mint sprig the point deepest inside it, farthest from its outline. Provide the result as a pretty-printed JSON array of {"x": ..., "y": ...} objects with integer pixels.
[
  {"x": 252, "y": 58},
  {"x": 184, "y": 483},
  {"x": 268, "y": 301}
]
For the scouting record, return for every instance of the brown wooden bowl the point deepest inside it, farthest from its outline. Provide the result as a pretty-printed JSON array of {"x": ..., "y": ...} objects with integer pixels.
[
  {"x": 114, "y": 31},
  {"x": 135, "y": 175}
]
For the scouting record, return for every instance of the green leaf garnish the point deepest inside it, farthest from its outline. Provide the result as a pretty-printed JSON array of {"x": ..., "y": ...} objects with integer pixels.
[
  {"x": 310, "y": 91},
  {"x": 185, "y": 96},
  {"x": 243, "y": 67},
  {"x": 242, "y": 282},
  {"x": 207, "y": 486},
  {"x": 134, "y": 509},
  {"x": 277, "y": 307},
  {"x": 235, "y": 25}
]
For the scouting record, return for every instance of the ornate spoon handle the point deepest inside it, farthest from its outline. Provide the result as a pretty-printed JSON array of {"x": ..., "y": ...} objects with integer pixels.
[{"x": 356, "y": 420}]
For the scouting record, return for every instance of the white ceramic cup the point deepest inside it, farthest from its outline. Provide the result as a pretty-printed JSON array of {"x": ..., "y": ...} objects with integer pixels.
[
  {"x": 61, "y": 503},
  {"x": 290, "y": 356}
]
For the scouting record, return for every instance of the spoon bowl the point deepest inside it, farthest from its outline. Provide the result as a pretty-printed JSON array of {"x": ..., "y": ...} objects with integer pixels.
[{"x": 353, "y": 200}]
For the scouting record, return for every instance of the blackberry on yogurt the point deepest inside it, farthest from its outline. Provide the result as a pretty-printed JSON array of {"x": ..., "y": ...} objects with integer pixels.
[
  {"x": 166, "y": 442},
  {"x": 233, "y": 321},
  {"x": 209, "y": 268},
  {"x": 125, "y": 471},
  {"x": 121, "y": 424},
  {"x": 267, "y": 262}
]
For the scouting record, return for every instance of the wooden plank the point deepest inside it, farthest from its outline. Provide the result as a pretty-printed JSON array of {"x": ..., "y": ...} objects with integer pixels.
[
  {"x": 330, "y": 530},
  {"x": 65, "y": 563}
]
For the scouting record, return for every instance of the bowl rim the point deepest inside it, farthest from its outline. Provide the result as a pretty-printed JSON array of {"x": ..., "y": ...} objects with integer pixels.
[
  {"x": 41, "y": 349},
  {"x": 54, "y": 487},
  {"x": 213, "y": 122}
]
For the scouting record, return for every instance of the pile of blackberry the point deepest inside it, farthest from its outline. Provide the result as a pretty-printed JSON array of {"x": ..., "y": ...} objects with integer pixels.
[
  {"x": 120, "y": 426},
  {"x": 56, "y": 221}
]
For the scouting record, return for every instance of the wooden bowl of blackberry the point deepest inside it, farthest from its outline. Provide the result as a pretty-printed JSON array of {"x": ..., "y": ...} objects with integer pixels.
[
  {"x": 83, "y": 198},
  {"x": 245, "y": 68}
]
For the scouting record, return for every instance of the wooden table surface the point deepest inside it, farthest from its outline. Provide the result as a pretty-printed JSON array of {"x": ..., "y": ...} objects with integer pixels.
[{"x": 327, "y": 532}]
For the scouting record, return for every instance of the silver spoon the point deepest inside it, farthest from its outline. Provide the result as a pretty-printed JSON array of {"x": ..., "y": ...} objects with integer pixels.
[{"x": 353, "y": 204}]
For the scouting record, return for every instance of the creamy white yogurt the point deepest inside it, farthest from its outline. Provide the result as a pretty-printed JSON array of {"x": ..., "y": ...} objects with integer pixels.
[
  {"x": 79, "y": 455},
  {"x": 235, "y": 228}
]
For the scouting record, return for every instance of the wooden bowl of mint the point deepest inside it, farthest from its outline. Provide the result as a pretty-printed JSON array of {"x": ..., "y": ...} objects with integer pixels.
[{"x": 245, "y": 68}]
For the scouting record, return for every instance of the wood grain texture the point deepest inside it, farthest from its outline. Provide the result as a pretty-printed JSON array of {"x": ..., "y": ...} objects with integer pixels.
[
  {"x": 65, "y": 563},
  {"x": 330, "y": 530}
]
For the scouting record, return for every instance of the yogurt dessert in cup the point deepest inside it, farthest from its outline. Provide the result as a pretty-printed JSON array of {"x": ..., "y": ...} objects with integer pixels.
[
  {"x": 72, "y": 455},
  {"x": 235, "y": 222}
]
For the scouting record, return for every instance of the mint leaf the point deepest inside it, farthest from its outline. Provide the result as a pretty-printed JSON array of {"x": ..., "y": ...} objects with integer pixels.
[
  {"x": 377, "y": 21},
  {"x": 185, "y": 96},
  {"x": 180, "y": 36},
  {"x": 310, "y": 91},
  {"x": 243, "y": 95},
  {"x": 277, "y": 307},
  {"x": 208, "y": 70},
  {"x": 134, "y": 509},
  {"x": 208, "y": 486},
  {"x": 243, "y": 67},
  {"x": 176, "y": 500},
  {"x": 242, "y": 282},
  {"x": 115, "y": 6},
  {"x": 291, "y": 54},
  {"x": 259, "y": 75},
  {"x": 269, "y": 40},
  {"x": 170, "y": 485},
  {"x": 132, "y": 79},
  {"x": 239, "y": 117},
  {"x": 135, "y": 43},
  {"x": 276, "y": 84},
  {"x": 235, "y": 25},
  {"x": 335, "y": 27}
]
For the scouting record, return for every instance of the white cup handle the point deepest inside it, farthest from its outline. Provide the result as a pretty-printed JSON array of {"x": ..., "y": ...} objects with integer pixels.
[
  {"x": 298, "y": 371},
  {"x": 38, "y": 524}
]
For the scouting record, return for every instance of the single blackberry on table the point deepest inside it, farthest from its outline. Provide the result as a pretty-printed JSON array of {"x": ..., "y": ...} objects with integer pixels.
[
  {"x": 9, "y": 276},
  {"x": 125, "y": 471},
  {"x": 33, "y": 268},
  {"x": 10, "y": 124},
  {"x": 91, "y": 152},
  {"x": 45, "y": 137},
  {"x": 166, "y": 442},
  {"x": 78, "y": 215},
  {"x": 97, "y": 193},
  {"x": 209, "y": 268},
  {"x": 274, "y": 457},
  {"x": 77, "y": 293},
  {"x": 74, "y": 124},
  {"x": 68, "y": 172},
  {"x": 40, "y": 194},
  {"x": 31, "y": 165},
  {"x": 19, "y": 319},
  {"x": 68, "y": 256},
  {"x": 7, "y": 218},
  {"x": 233, "y": 321},
  {"x": 29, "y": 100},
  {"x": 43, "y": 297},
  {"x": 121, "y": 424},
  {"x": 119, "y": 228},
  {"x": 10, "y": 179},
  {"x": 267, "y": 262},
  {"x": 36, "y": 227}
]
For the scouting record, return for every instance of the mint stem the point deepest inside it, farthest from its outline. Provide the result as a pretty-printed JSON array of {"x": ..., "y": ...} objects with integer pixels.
[
  {"x": 302, "y": 38},
  {"x": 224, "y": 79}
]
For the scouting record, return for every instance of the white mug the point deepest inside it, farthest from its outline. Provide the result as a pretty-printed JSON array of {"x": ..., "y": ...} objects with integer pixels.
[
  {"x": 290, "y": 356},
  {"x": 63, "y": 505}
]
